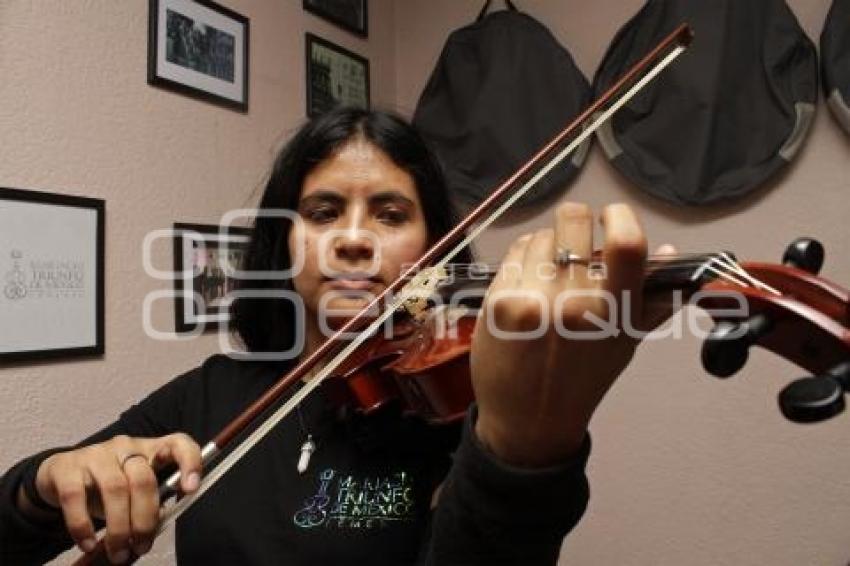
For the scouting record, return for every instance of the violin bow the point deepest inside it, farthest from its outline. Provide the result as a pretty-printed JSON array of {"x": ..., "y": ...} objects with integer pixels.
[{"x": 417, "y": 281}]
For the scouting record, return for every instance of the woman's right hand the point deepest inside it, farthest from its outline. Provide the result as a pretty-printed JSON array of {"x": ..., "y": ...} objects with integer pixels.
[{"x": 115, "y": 480}]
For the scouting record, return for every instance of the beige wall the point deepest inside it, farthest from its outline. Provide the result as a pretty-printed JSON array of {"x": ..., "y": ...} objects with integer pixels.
[{"x": 685, "y": 469}]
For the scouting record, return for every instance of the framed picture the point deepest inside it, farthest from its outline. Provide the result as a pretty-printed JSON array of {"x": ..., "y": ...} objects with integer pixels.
[
  {"x": 335, "y": 76},
  {"x": 205, "y": 259},
  {"x": 352, "y": 15},
  {"x": 199, "y": 48},
  {"x": 51, "y": 260}
]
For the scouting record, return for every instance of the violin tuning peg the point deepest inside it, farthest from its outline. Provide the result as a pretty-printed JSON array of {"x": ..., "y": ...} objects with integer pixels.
[
  {"x": 804, "y": 253},
  {"x": 811, "y": 399},
  {"x": 726, "y": 348},
  {"x": 723, "y": 356},
  {"x": 814, "y": 399}
]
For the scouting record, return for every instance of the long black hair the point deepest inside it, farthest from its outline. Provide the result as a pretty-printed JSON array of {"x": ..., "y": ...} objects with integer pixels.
[{"x": 268, "y": 325}]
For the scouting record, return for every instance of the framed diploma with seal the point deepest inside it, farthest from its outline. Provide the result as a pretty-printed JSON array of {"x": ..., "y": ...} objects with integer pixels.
[{"x": 52, "y": 264}]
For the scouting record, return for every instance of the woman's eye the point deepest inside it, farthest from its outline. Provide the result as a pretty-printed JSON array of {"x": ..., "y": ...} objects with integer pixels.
[
  {"x": 393, "y": 216},
  {"x": 321, "y": 215}
]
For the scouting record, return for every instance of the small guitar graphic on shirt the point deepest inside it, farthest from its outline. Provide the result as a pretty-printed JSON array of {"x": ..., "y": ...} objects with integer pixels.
[{"x": 313, "y": 513}]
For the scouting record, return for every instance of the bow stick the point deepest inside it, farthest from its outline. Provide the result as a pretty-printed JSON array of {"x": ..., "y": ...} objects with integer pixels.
[{"x": 417, "y": 280}]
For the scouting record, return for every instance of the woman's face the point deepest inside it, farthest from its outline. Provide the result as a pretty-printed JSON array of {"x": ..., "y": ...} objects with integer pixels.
[{"x": 362, "y": 223}]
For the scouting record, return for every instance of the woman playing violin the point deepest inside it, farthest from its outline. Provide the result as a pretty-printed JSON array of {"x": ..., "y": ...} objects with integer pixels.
[{"x": 329, "y": 487}]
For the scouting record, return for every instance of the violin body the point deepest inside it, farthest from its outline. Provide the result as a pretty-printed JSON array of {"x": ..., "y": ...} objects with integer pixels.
[{"x": 423, "y": 368}]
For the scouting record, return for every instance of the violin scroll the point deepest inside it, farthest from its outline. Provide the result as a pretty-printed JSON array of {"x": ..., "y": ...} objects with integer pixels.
[{"x": 791, "y": 312}]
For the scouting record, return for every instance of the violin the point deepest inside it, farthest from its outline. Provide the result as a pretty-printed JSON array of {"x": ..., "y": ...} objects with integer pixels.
[{"x": 423, "y": 367}]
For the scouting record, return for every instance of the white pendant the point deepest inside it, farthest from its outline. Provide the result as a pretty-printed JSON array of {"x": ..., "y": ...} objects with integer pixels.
[{"x": 307, "y": 450}]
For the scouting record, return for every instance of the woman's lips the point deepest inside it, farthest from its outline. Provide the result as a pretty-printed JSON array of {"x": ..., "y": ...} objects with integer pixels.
[{"x": 353, "y": 282}]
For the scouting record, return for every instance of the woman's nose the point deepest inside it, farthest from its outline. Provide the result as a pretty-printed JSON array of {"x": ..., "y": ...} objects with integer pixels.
[
  {"x": 354, "y": 247},
  {"x": 355, "y": 242}
]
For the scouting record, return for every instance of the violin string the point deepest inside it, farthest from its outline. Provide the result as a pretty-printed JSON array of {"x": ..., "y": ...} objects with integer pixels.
[
  {"x": 673, "y": 259},
  {"x": 473, "y": 271},
  {"x": 723, "y": 274},
  {"x": 744, "y": 273},
  {"x": 656, "y": 258},
  {"x": 708, "y": 265},
  {"x": 481, "y": 271},
  {"x": 725, "y": 266},
  {"x": 726, "y": 262}
]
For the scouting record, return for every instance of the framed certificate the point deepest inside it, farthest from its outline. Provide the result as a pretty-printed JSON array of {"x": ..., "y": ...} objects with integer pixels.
[
  {"x": 335, "y": 77},
  {"x": 52, "y": 264}
]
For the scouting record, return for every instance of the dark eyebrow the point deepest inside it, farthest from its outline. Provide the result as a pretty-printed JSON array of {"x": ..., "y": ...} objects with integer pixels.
[
  {"x": 322, "y": 196},
  {"x": 390, "y": 197},
  {"x": 336, "y": 198}
]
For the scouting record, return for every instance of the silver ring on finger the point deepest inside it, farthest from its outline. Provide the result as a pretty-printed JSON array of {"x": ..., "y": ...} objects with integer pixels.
[
  {"x": 565, "y": 257},
  {"x": 128, "y": 457}
]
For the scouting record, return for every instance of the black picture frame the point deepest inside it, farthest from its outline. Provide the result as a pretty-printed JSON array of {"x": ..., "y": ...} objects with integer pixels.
[
  {"x": 210, "y": 65},
  {"x": 187, "y": 316},
  {"x": 48, "y": 275},
  {"x": 327, "y": 65},
  {"x": 351, "y": 15}
]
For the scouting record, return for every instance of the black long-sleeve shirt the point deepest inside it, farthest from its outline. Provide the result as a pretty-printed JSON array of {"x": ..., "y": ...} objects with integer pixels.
[{"x": 364, "y": 499}]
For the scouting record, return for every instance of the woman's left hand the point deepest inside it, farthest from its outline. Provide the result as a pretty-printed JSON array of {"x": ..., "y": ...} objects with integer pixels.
[{"x": 536, "y": 393}]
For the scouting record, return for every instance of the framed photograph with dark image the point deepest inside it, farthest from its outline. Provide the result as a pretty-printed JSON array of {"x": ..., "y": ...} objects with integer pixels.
[
  {"x": 199, "y": 48},
  {"x": 352, "y": 15},
  {"x": 52, "y": 264},
  {"x": 205, "y": 259},
  {"x": 335, "y": 76}
]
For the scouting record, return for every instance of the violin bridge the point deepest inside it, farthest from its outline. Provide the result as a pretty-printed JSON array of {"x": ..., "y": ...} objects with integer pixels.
[{"x": 421, "y": 288}]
